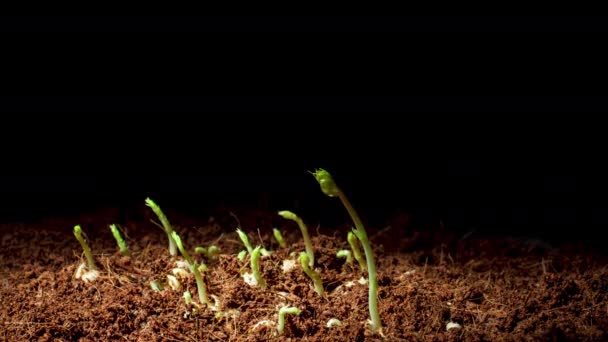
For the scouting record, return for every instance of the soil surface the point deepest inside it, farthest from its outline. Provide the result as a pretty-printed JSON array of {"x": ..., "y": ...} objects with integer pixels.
[{"x": 482, "y": 289}]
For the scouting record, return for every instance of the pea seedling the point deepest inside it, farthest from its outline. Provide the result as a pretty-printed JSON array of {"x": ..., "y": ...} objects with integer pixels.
[
  {"x": 309, "y": 250},
  {"x": 122, "y": 245},
  {"x": 166, "y": 225},
  {"x": 200, "y": 284},
  {"x": 316, "y": 278},
  {"x": 331, "y": 189}
]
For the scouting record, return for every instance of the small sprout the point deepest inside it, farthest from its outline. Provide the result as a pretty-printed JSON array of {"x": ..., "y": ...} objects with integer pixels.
[
  {"x": 166, "y": 225},
  {"x": 333, "y": 322},
  {"x": 354, "y": 246},
  {"x": 122, "y": 245},
  {"x": 255, "y": 267},
  {"x": 200, "y": 284},
  {"x": 345, "y": 254},
  {"x": 279, "y": 237},
  {"x": 245, "y": 240},
  {"x": 87, "y": 250},
  {"x": 308, "y": 243},
  {"x": 210, "y": 252},
  {"x": 187, "y": 297},
  {"x": 284, "y": 311},
  {"x": 156, "y": 285},
  {"x": 265, "y": 252},
  {"x": 242, "y": 255},
  {"x": 316, "y": 278},
  {"x": 331, "y": 189},
  {"x": 173, "y": 282}
]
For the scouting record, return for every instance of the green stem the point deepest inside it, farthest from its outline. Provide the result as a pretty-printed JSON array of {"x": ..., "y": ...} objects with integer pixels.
[
  {"x": 282, "y": 312},
  {"x": 371, "y": 265},
  {"x": 316, "y": 278},
  {"x": 166, "y": 224},
  {"x": 255, "y": 267},
  {"x": 200, "y": 284},
  {"x": 304, "y": 229},
  {"x": 85, "y": 247}
]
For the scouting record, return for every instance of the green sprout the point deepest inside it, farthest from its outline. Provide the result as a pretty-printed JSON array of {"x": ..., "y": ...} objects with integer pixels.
[
  {"x": 122, "y": 245},
  {"x": 354, "y": 246},
  {"x": 291, "y": 216},
  {"x": 284, "y": 311},
  {"x": 166, "y": 225},
  {"x": 316, "y": 278},
  {"x": 85, "y": 246},
  {"x": 331, "y": 189},
  {"x": 255, "y": 267},
  {"x": 200, "y": 284},
  {"x": 345, "y": 254},
  {"x": 209, "y": 252},
  {"x": 187, "y": 297},
  {"x": 156, "y": 285},
  {"x": 279, "y": 237},
  {"x": 245, "y": 240},
  {"x": 242, "y": 255}
]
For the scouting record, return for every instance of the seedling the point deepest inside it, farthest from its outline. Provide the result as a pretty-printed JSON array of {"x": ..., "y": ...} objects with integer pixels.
[
  {"x": 85, "y": 246},
  {"x": 354, "y": 246},
  {"x": 210, "y": 252},
  {"x": 331, "y": 189},
  {"x": 255, "y": 267},
  {"x": 122, "y": 245},
  {"x": 200, "y": 284},
  {"x": 309, "y": 250},
  {"x": 187, "y": 297},
  {"x": 284, "y": 311},
  {"x": 346, "y": 254},
  {"x": 166, "y": 225},
  {"x": 245, "y": 240},
  {"x": 279, "y": 237},
  {"x": 242, "y": 255},
  {"x": 316, "y": 278}
]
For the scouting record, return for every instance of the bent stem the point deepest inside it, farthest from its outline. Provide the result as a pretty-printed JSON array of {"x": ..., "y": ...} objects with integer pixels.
[
  {"x": 331, "y": 189},
  {"x": 200, "y": 284},
  {"x": 165, "y": 222},
  {"x": 307, "y": 242},
  {"x": 282, "y": 312}
]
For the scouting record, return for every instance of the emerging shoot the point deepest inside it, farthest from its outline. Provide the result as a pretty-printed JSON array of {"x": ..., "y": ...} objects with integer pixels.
[
  {"x": 245, "y": 240},
  {"x": 346, "y": 254},
  {"x": 166, "y": 225},
  {"x": 187, "y": 297},
  {"x": 284, "y": 311},
  {"x": 354, "y": 246},
  {"x": 122, "y": 245},
  {"x": 316, "y": 278},
  {"x": 87, "y": 250},
  {"x": 255, "y": 267},
  {"x": 242, "y": 255},
  {"x": 309, "y": 250},
  {"x": 279, "y": 237},
  {"x": 210, "y": 252},
  {"x": 331, "y": 189},
  {"x": 200, "y": 284}
]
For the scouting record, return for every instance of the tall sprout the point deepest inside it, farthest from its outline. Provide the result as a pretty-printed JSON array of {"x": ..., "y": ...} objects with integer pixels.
[{"x": 331, "y": 189}]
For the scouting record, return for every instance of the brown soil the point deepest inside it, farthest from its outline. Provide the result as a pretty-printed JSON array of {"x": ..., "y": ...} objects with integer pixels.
[{"x": 495, "y": 289}]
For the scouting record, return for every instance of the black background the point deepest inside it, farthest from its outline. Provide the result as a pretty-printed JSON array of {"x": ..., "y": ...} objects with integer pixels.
[{"x": 487, "y": 123}]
